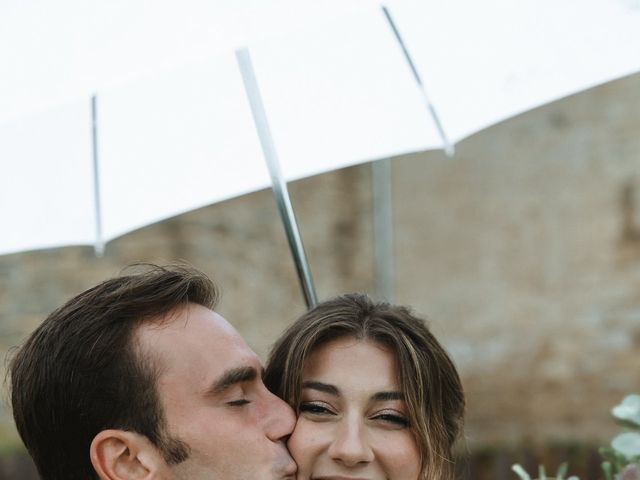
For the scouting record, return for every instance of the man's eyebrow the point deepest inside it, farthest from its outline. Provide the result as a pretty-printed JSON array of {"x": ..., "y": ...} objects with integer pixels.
[
  {"x": 321, "y": 387},
  {"x": 232, "y": 377},
  {"x": 386, "y": 396}
]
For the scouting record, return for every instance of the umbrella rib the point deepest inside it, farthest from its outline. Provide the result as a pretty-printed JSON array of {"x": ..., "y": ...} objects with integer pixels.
[
  {"x": 448, "y": 146},
  {"x": 278, "y": 183},
  {"x": 99, "y": 245}
]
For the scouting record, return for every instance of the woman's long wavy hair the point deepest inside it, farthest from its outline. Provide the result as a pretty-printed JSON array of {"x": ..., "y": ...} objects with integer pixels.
[{"x": 427, "y": 376}]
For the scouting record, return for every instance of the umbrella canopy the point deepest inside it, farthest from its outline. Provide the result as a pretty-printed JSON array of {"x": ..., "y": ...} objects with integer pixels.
[{"x": 169, "y": 128}]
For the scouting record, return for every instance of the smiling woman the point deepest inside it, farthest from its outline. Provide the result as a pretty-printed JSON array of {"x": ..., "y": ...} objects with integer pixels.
[{"x": 377, "y": 396}]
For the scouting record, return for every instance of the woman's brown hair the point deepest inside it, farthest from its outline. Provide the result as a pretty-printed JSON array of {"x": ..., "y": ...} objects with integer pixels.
[{"x": 427, "y": 376}]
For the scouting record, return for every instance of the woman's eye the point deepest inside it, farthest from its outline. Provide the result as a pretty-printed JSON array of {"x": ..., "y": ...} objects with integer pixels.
[
  {"x": 314, "y": 408},
  {"x": 238, "y": 403},
  {"x": 394, "y": 419}
]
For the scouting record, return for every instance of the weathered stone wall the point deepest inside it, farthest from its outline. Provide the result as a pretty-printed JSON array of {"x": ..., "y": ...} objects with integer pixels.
[{"x": 523, "y": 249}]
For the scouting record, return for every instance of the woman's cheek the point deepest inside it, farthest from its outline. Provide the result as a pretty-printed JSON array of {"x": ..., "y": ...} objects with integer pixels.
[{"x": 305, "y": 447}]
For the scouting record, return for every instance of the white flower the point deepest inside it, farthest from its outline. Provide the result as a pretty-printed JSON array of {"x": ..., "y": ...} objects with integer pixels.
[
  {"x": 628, "y": 410},
  {"x": 627, "y": 444}
]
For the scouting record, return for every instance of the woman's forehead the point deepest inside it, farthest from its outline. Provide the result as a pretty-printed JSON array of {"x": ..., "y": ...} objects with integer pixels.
[{"x": 352, "y": 362}]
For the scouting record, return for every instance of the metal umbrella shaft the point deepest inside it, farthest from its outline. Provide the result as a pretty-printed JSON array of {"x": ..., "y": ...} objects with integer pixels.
[
  {"x": 279, "y": 186},
  {"x": 383, "y": 228}
]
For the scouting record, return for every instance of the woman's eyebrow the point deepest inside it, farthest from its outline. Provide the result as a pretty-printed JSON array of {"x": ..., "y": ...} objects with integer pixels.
[
  {"x": 321, "y": 387},
  {"x": 386, "y": 396}
]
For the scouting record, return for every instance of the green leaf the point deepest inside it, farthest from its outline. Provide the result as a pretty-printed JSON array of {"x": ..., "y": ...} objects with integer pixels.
[
  {"x": 562, "y": 470},
  {"x": 542, "y": 475},
  {"x": 606, "y": 468},
  {"x": 521, "y": 472}
]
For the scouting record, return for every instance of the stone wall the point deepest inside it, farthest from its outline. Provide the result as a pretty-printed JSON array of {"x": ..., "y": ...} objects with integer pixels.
[{"x": 523, "y": 250}]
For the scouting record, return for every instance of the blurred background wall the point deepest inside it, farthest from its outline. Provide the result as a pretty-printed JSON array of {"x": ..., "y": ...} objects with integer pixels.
[{"x": 523, "y": 251}]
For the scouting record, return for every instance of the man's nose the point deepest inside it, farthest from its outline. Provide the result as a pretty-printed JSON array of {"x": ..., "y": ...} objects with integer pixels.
[
  {"x": 281, "y": 419},
  {"x": 350, "y": 446}
]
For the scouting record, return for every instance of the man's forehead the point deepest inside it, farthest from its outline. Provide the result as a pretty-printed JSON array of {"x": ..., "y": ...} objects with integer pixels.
[
  {"x": 193, "y": 333},
  {"x": 186, "y": 319}
]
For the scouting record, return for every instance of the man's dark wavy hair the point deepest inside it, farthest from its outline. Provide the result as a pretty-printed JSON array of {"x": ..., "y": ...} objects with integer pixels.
[{"x": 80, "y": 372}]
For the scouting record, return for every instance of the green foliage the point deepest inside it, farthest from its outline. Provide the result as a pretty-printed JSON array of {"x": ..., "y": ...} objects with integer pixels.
[
  {"x": 542, "y": 475},
  {"x": 521, "y": 472},
  {"x": 621, "y": 458}
]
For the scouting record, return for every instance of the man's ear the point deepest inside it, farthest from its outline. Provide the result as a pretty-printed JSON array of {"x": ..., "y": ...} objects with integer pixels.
[{"x": 122, "y": 455}]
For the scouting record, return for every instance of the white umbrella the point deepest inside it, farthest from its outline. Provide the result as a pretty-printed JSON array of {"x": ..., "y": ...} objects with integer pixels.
[
  {"x": 172, "y": 140},
  {"x": 173, "y": 127}
]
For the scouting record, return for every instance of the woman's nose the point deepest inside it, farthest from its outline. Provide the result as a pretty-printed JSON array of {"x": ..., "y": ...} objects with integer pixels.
[{"x": 351, "y": 446}]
